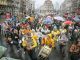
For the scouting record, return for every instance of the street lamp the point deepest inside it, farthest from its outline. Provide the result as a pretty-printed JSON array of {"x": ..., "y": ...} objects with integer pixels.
[
  {"x": 31, "y": 9},
  {"x": 78, "y": 2}
]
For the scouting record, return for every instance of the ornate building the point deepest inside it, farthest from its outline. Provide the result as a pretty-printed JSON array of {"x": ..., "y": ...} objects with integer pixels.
[
  {"x": 66, "y": 7},
  {"x": 6, "y": 6},
  {"x": 16, "y": 4},
  {"x": 23, "y": 7},
  {"x": 30, "y": 7},
  {"x": 76, "y": 6},
  {"x": 70, "y": 6},
  {"x": 18, "y": 8},
  {"x": 47, "y": 8}
]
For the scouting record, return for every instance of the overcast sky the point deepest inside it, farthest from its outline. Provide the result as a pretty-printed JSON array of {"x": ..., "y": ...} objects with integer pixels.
[{"x": 56, "y": 3}]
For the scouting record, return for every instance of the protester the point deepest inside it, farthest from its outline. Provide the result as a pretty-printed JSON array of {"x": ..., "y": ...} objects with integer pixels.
[
  {"x": 55, "y": 33},
  {"x": 32, "y": 35},
  {"x": 8, "y": 36},
  {"x": 74, "y": 51},
  {"x": 16, "y": 38},
  {"x": 48, "y": 41}
]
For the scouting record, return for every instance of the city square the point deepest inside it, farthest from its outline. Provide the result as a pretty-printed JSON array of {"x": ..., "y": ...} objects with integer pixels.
[{"x": 39, "y": 29}]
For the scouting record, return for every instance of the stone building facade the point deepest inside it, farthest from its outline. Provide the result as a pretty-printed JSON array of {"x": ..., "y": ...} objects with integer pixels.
[{"x": 47, "y": 8}]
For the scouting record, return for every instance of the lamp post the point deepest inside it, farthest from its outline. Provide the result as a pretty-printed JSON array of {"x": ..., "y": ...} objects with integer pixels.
[
  {"x": 31, "y": 9},
  {"x": 78, "y": 2}
]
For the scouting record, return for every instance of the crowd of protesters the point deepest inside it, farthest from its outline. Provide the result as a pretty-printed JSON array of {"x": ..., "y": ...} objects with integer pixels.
[{"x": 30, "y": 35}]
